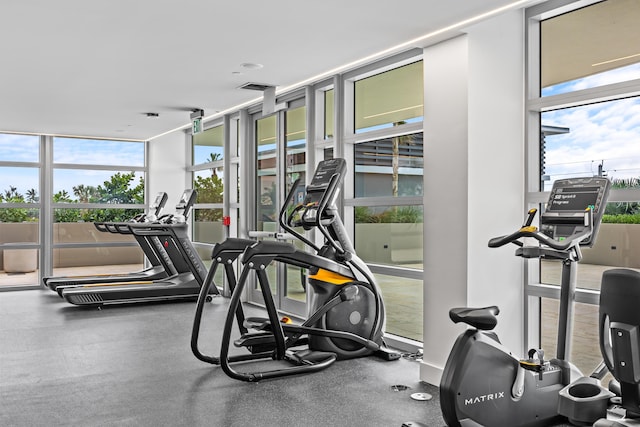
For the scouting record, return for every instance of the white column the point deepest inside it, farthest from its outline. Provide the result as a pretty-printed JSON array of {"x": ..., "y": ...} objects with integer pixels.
[{"x": 473, "y": 182}]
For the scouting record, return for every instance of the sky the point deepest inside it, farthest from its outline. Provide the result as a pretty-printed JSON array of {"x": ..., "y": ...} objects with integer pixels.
[
  {"x": 606, "y": 133},
  {"x": 24, "y": 148}
]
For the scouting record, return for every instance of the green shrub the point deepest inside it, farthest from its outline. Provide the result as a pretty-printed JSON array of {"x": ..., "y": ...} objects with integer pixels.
[
  {"x": 392, "y": 215},
  {"x": 621, "y": 219}
]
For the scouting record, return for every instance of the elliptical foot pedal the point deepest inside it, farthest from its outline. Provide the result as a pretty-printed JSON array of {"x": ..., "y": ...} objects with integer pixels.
[
  {"x": 387, "y": 354},
  {"x": 257, "y": 342},
  {"x": 310, "y": 357},
  {"x": 259, "y": 323}
]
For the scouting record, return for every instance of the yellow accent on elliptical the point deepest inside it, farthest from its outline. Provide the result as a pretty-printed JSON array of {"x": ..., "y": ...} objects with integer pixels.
[
  {"x": 330, "y": 277},
  {"x": 529, "y": 228}
]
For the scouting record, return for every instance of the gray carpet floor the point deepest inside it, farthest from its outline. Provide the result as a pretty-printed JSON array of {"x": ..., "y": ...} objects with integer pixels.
[{"x": 62, "y": 365}]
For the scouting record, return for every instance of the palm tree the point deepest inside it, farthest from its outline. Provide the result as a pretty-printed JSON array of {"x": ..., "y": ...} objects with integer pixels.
[
  {"x": 396, "y": 141},
  {"x": 85, "y": 193},
  {"x": 32, "y": 196},
  {"x": 214, "y": 157}
]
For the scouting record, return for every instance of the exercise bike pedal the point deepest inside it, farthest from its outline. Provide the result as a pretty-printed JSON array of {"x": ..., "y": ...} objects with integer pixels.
[{"x": 537, "y": 364}]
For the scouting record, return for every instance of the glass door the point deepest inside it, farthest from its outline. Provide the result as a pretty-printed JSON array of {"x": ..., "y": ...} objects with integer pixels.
[{"x": 280, "y": 141}]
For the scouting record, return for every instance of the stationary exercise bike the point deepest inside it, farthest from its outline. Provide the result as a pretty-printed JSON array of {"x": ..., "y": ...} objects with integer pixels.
[
  {"x": 483, "y": 383},
  {"x": 346, "y": 312}
]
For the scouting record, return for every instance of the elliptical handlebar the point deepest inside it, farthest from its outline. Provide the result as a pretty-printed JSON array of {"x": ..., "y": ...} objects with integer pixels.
[
  {"x": 527, "y": 230},
  {"x": 285, "y": 220},
  {"x": 322, "y": 212},
  {"x": 322, "y": 207}
]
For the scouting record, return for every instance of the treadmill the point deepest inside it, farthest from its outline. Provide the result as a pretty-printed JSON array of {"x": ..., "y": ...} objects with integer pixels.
[
  {"x": 172, "y": 233},
  {"x": 159, "y": 268}
]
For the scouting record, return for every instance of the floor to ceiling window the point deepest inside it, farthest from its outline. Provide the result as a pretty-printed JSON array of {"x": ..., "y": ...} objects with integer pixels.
[
  {"x": 584, "y": 120},
  {"x": 19, "y": 210},
  {"x": 95, "y": 181},
  {"x": 281, "y": 152},
  {"x": 386, "y": 157},
  {"x": 208, "y": 169},
  {"x": 57, "y": 187}
]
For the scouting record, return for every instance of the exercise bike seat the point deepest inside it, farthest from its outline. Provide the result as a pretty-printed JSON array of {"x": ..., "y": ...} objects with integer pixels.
[{"x": 483, "y": 318}]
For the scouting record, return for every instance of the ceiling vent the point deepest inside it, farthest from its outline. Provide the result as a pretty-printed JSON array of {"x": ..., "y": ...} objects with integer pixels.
[{"x": 255, "y": 86}]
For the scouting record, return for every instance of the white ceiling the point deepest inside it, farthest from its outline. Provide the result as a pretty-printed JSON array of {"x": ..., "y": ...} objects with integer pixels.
[{"x": 93, "y": 68}]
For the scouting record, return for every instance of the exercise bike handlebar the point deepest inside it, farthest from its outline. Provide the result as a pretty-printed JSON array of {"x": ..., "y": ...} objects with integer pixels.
[{"x": 528, "y": 230}]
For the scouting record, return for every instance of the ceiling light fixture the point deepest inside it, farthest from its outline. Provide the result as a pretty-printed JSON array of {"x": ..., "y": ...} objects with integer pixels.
[
  {"x": 370, "y": 58},
  {"x": 251, "y": 66},
  {"x": 622, "y": 58},
  {"x": 152, "y": 114}
]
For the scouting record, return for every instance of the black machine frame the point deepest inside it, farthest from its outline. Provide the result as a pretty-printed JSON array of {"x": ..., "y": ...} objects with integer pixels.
[
  {"x": 278, "y": 340},
  {"x": 482, "y": 382}
]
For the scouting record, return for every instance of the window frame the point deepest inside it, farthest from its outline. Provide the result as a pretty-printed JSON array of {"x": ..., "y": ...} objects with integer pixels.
[{"x": 534, "y": 289}]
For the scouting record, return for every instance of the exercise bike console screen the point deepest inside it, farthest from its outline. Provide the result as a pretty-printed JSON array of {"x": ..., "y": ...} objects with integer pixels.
[{"x": 564, "y": 215}]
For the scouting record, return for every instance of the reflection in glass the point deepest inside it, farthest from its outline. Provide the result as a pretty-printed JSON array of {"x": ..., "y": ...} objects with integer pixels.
[
  {"x": 389, "y": 99},
  {"x": 207, "y": 226},
  {"x": 296, "y": 283},
  {"x": 328, "y": 113},
  {"x": 390, "y": 235},
  {"x": 267, "y": 189},
  {"x": 328, "y": 153},
  {"x": 208, "y": 146},
  {"x": 98, "y": 152},
  {"x": 403, "y": 304},
  {"x": 581, "y": 50},
  {"x": 589, "y": 140},
  {"x": 19, "y": 148},
  {"x": 389, "y": 167},
  {"x": 295, "y": 149}
]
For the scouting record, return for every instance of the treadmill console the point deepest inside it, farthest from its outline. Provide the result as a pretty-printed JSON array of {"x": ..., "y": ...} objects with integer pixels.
[
  {"x": 569, "y": 198},
  {"x": 159, "y": 201},
  {"x": 187, "y": 200}
]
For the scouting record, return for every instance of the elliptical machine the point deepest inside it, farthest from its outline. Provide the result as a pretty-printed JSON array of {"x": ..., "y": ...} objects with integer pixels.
[
  {"x": 483, "y": 383},
  {"x": 346, "y": 313}
]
